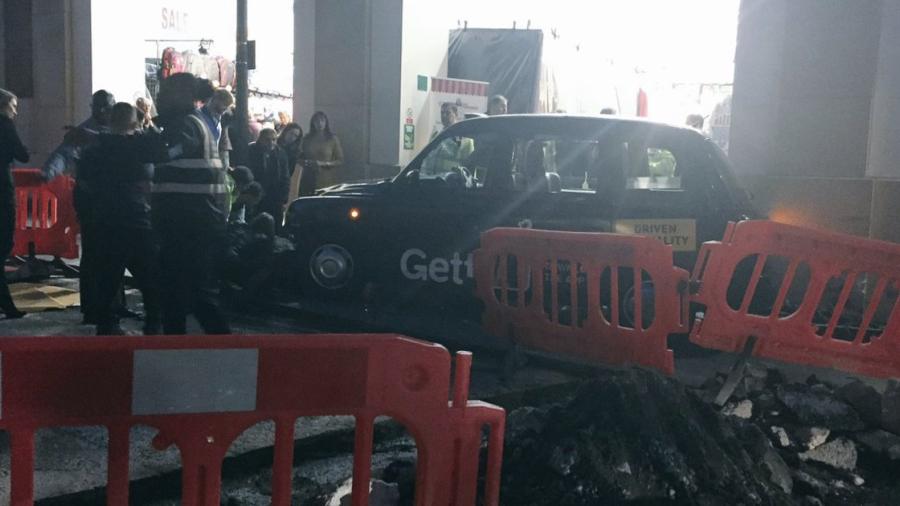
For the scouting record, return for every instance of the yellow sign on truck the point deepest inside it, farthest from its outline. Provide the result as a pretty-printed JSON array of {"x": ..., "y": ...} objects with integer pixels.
[{"x": 681, "y": 235}]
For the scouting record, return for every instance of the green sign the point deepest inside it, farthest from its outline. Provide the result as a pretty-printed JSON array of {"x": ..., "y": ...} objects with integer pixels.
[{"x": 423, "y": 83}]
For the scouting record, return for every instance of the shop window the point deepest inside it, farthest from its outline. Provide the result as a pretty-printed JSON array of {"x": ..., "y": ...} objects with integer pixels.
[{"x": 472, "y": 162}]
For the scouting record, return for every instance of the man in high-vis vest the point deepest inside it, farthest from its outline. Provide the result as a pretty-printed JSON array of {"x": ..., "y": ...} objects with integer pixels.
[{"x": 189, "y": 212}]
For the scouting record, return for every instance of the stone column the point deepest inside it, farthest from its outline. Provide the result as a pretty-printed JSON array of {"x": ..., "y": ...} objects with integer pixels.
[
  {"x": 61, "y": 56},
  {"x": 2, "y": 48},
  {"x": 51, "y": 107},
  {"x": 304, "y": 61},
  {"x": 356, "y": 76},
  {"x": 883, "y": 164},
  {"x": 804, "y": 80}
]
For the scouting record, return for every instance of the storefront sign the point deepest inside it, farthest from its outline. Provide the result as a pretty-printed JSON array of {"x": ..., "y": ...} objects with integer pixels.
[{"x": 173, "y": 20}]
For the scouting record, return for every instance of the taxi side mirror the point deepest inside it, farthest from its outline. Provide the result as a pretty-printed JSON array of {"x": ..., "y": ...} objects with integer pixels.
[{"x": 411, "y": 177}]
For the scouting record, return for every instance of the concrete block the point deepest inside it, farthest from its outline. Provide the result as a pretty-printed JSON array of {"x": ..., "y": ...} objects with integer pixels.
[{"x": 839, "y": 454}]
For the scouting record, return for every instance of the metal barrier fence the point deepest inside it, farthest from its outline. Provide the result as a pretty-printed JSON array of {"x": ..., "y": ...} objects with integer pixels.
[
  {"x": 811, "y": 297},
  {"x": 202, "y": 392},
  {"x": 593, "y": 297},
  {"x": 45, "y": 215}
]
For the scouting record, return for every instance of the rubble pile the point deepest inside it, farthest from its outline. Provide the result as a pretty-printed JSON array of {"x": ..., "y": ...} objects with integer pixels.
[{"x": 635, "y": 437}]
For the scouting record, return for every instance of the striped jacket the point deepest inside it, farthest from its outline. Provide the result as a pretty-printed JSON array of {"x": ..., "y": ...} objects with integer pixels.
[{"x": 190, "y": 189}]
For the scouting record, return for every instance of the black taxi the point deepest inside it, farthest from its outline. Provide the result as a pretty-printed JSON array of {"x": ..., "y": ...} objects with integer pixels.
[{"x": 405, "y": 245}]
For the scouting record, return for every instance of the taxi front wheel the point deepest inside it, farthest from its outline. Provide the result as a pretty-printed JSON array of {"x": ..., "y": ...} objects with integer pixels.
[
  {"x": 326, "y": 269},
  {"x": 331, "y": 266}
]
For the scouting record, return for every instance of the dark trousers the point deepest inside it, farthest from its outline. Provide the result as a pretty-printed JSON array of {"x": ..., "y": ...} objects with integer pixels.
[
  {"x": 190, "y": 257},
  {"x": 87, "y": 270},
  {"x": 136, "y": 250},
  {"x": 7, "y": 232}
]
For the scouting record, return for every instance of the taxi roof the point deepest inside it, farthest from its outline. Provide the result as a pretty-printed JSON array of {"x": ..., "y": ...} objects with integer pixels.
[{"x": 556, "y": 120}]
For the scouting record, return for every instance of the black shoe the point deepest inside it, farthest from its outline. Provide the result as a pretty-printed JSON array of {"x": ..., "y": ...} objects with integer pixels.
[
  {"x": 152, "y": 329},
  {"x": 127, "y": 313},
  {"x": 110, "y": 330},
  {"x": 14, "y": 314}
]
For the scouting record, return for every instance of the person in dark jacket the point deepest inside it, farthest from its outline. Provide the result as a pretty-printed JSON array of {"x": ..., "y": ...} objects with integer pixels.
[
  {"x": 290, "y": 139},
  {"x": 120, "y": 197},
  {"x": 188, "y": 205},
  {"x": 269, "y": 165},
  {"x": 64, "y": 160},
  {"x": 189, "y": 211},
  {"x": 11, "y": 148}
]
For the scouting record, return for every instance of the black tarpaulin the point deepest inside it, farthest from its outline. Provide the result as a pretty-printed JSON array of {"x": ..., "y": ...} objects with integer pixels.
[{"x": 508, "y": 59}]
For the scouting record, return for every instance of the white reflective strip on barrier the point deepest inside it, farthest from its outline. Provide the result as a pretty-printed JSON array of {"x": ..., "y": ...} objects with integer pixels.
[
  {"x": 194, "y": 381},
  {"x": 198, "y": 189}
]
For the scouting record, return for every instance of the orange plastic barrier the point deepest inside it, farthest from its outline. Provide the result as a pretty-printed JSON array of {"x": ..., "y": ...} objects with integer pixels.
[
  {"x": 574, "y": 294},
  {"x": 202, "y": 392},
  {"x": 45, "y": 215},
  {"x": 808, "y": 296}
]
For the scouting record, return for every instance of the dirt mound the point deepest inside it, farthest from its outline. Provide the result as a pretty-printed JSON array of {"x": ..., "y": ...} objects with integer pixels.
[{"x": 637, "y": 437}]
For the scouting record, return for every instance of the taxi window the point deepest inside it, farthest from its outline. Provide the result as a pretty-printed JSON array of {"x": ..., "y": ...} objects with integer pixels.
[
  {"x": 571, "y": 165},
  {"x": 450, "y": 154},
  {"x": 477, "y": 161},
  {"x": 652, "y": 168}
]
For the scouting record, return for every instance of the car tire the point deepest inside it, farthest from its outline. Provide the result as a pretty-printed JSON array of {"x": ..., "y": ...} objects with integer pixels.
[{"x": 328, "y": 269}]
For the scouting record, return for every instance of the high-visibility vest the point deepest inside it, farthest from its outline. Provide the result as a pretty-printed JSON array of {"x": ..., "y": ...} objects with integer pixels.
[{"x": 194, "y": 176}]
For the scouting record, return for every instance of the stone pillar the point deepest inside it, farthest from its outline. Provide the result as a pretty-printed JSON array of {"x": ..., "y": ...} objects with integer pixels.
[
  {"x": 51, "y": 108},
  {"x": 804, "y": 82},
  {"x": 82, "y": 58},
  {"x": 342, "y": 77},
  {"x": 356, "y": 79},
  {"x": 386, "y": 29},
  {"x": 304, "y": 61},
  {"x": 883, "y": 164},
  {"x": 757, "y": 79},
  {"x": 61, "y": 56},
  {"x": 884, "y": 135},
  {"x": 2, "y": 48}
]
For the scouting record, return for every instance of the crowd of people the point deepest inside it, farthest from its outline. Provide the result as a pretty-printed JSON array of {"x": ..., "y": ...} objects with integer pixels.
[{"x": 162, "y": 197}]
